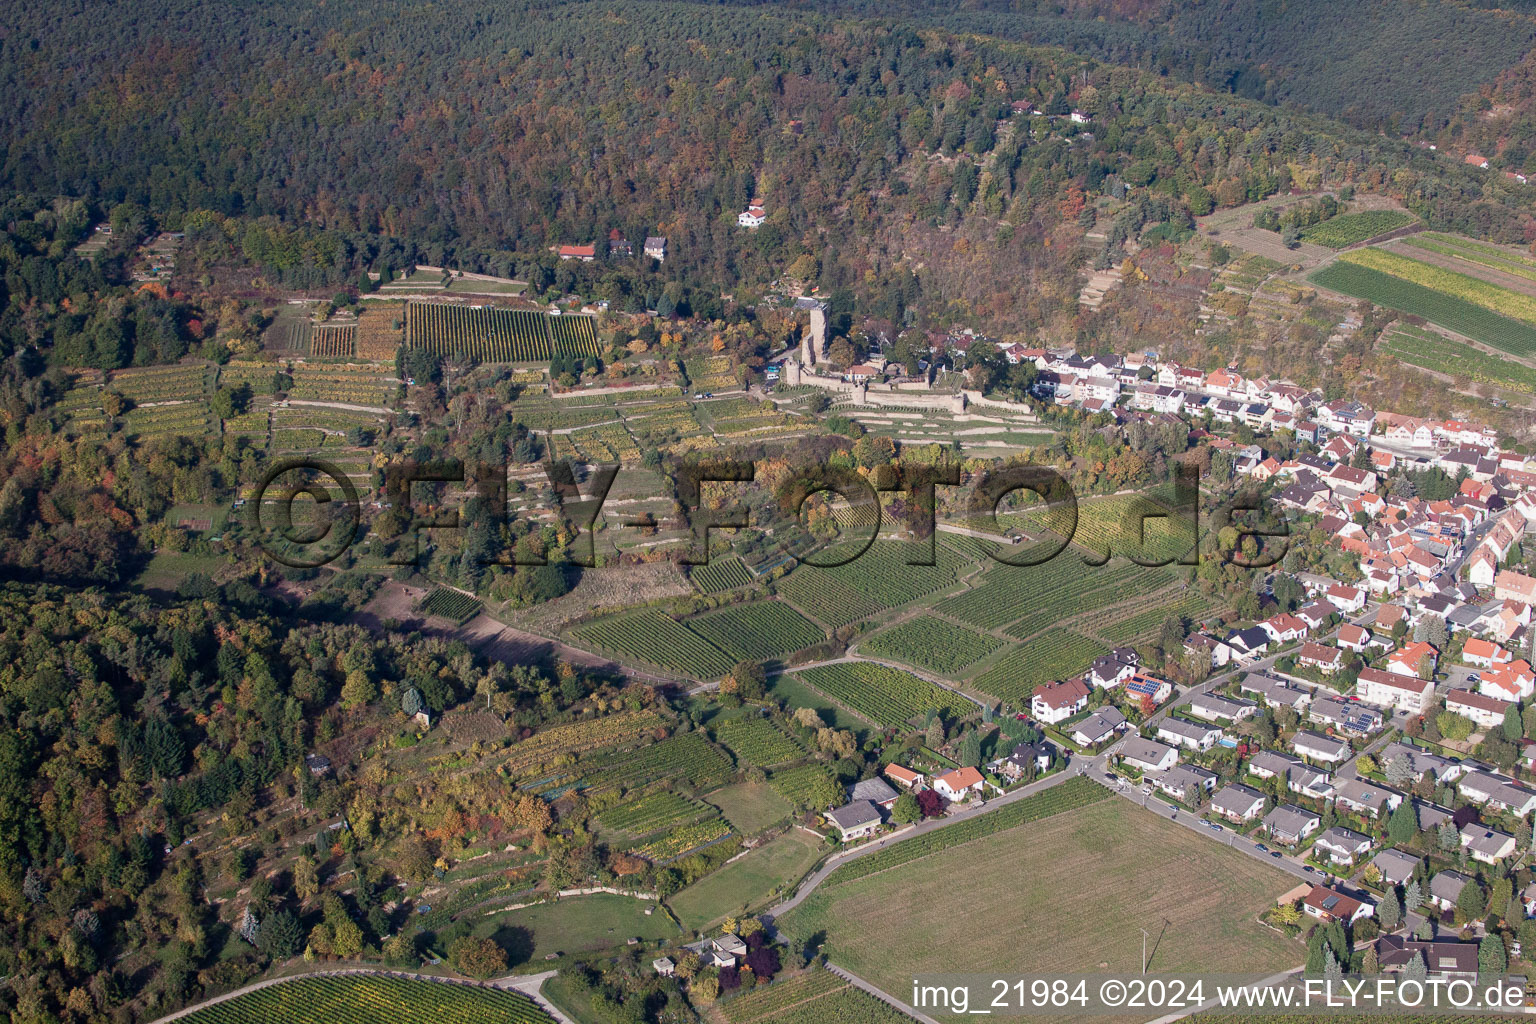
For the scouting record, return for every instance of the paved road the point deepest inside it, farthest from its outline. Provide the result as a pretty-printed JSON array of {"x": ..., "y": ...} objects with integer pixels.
[
  {"x": 532, "y": 986},
  {"x": 884, "y": 997}
]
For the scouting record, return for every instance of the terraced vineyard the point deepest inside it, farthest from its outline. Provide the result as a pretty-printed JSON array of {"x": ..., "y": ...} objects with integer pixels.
[
  {"x": 884, "y": 695},
  {"x": 758, "y": 630},
  {"x": 364, "y": 999},
  {"x": 573, "y": 334},
  {"x": 931, "y": 643},
  {"x": 712, "y": 373},
  {"x": 757, "y": 741},
  {"x": 800, "y": 994},
  {"x": 495, "y": 334},
  {"x": 652, "y": 813},
  {"x": 333, "y": 341},
  {"x": 1423, "y": 348},
  {"x": 452, "y": 605},
  {"x": 1454, "y": 309},
  {"x": 1058, "y": 654},
  {"x": 796, "y": 784},
  {"x": 378, "y": 337},
  {"x": 878, "y": 580},
  {"x": 720, "y": 574},
  {"x": 1478, "y": 254},
  {"x": 682, "y": 841},
  {"x": 689, "y": 757},
  {"x": 538, "y": 751},
  {"x": 349, "y": 384},
  {"x": 1352, "y": 228},
  {"x": 656, "y": 639}
]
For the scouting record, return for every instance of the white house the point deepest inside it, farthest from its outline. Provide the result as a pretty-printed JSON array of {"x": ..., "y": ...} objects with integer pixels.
[
  {"x": 1319, "y": 747},
  {"x": 1187, "y": 734},
  {"x": 1147, "y": 755},
  {"x": 1057, "y": 702},
  {"x": 959, "y": 784}
]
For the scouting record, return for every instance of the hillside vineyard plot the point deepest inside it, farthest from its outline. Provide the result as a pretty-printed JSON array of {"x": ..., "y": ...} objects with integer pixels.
[
  {"x": 931, "y": 643},
  {"x": 757, "y": 741},
  {"x": 496, "y": 335},
  {"x": 374, "y": 1000},
  {"x": 884, "y": 695}
]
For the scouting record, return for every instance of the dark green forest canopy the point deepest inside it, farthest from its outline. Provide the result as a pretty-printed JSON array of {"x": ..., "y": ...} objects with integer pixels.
[{"x": 515, "y": 127}]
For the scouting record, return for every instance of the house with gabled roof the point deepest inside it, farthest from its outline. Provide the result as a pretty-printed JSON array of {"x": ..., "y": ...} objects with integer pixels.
[
  {"x": 1237, "y": 802},
  {"x": 1482, "y": 709},
  {"x": 1486, "y": 845},
  {"x": 905, "y": 777},
  {"x": 1188, "y": 735},
  {"x": 1098, "y": 727},
  {"x": 1057, "y": 702},
  {"x": 1290, "y": 824},
  {"x": 1185, "y": 782},
  {"x": 1343, "y": 846},
  {"x": 1396, "y": 867},
  {"x": 1318, "y": 747},
  {"x": 1366, "y": 798},
  {"x": 1147, "y": 755},
  {"x": 856, "y": 820},
  {"x": 959, "y": 784}
]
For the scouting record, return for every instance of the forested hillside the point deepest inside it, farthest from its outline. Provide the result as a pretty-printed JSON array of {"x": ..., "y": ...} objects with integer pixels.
[{"x": 889, "y": 159}]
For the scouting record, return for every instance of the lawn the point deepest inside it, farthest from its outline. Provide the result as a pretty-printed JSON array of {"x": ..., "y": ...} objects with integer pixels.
[
  {"x": 747, "y": 882},
  {"x": 580, "y": 924},
  {"x": 1062, "y": 894},
  {"x": 750, "y": 807},
  {"x": 796, "y": 694}
]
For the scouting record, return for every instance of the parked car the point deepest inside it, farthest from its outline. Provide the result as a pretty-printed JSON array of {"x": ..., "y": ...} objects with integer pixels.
[
  {"x": 1261, "y": 847},
  {"x": 1146, "y": 789},
  {"x": 1308, "y": 868},
  {"x": 1275, "y": 854}
]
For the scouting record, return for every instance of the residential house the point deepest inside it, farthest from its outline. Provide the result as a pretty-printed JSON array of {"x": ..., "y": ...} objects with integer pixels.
[
  {"x": 856, "y": 820},
  {"x": 1186, "y": 782},
  {"x": 1445, "y": 889},
  {"x": 1353, "y": 637},
  {"x": 877, "y": 791},
  {"x": 664, "y": 966},
  {"x": 1057, "y": 702},
  {"x": 753, "y": 216},
  {"x": 1147, "y": 755},
  {"x": 1411, "y": 659},
  {"x": 1026, "y": 757},
  {"x": 1442, "y": 960},
  {"x": 1187, "y": 734},
  {"x": 1346, "y": 599},
  {"x": 1419, "y": 761},
  {"x": 1300, "y": 777},
  {"x": 1215, "y": 708},
  {"x": 1347, "y": 715},
  {"x": 1396, "y": 867},
  {"x": 1274, "y": 692},
  {"x": 656, "y": 247},
  {"x": 1150, "y": 687},
  {"x": 1366, "y": 798},
  {"x": 1497, "y": 792},
  {"x": 1392, "y": 690},
  {"x": 1328, "y": 904},
  {"x": 959, "y": 784},
  {"x": 1098, "y": 727},
  {"x": 1290, "y": 824},
  {"x": 1112, "y": 669},
  {"x": 1343, "y": 846},
  {"x": 1320, "y": 748},
  {"x": 1484, "y": 653},
  {"x": 905, "y": 777},
  {"x": 1249, "y": 644},
  {"x": 1237, "y": 802},
  {"x": 1512, "y": 682},
  {"x": 1325, "y": 659},
  {"x": 1485, "y": 845},
  {"x": 1482, "y": 709},
  {"x": 1514, "y": 586},
  {"x": 584, "y": 253}
]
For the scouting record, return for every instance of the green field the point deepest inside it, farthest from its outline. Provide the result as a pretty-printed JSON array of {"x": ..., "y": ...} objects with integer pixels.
[
  {"x": 373, "y": 1000},
  {"x": 884, "y": 695},
  {"x": 750, "y": 806},
  {"x": 746, "y": 883},
  {"x": 1200, "y": 903},
  {"x": 1449, "y": 309},
  {"x": 1478, "y": 254},
  {"x": 1057, "y": 654},
  {"x": 790, "y": 689},
  {"x": 798, "y": 783},
  {"x": 931, "y": 643},
  {"x": 1353, "y": 228},
  {"x": 580, "y": 924},
  {"x": 168, "y": 568}
]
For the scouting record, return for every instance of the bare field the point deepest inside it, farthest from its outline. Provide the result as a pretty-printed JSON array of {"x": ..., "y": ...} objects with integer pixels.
[{"x": 1067, "y": 893}]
